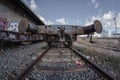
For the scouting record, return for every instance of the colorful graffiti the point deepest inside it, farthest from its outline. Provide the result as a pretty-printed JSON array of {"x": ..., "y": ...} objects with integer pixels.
[
  {"x": 3, "y": 23},
  {"x": 13, "y": 26}
]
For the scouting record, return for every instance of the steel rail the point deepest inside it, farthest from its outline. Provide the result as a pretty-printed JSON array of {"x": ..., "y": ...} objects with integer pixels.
[
  {"x": 94, "y": 66},
  {"x": 91, "y": 65},
  {"x": 22, "y": 75}
]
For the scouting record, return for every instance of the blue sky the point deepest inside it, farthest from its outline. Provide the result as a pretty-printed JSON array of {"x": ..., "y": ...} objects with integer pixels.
[{"x": 77, "y": 12}]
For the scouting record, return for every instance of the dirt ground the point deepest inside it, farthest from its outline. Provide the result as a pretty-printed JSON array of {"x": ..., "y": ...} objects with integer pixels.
[
  {"x": 104, "y": 52},
  {"x": 109, "y": 47}
]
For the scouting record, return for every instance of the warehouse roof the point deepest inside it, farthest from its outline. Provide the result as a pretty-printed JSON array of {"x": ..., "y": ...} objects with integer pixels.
[{"x": 29, "y": 12}]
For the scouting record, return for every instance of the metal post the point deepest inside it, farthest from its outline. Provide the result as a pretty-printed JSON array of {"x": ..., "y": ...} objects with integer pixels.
[
  {"x": 1, "y": 48},
  {"x": 115, "y": 23},
  {"x": 91, "y": 38}
]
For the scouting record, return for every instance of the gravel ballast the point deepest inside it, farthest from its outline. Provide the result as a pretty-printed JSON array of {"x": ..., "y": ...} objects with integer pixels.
[
  {"x": 108, "y": 60},
  {"x": 61, "y": 68},
  {"x": 13, "y": 61}
]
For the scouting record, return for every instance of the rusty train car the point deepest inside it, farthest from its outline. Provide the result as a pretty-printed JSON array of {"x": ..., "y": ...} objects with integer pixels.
[
  {"x": 48, "y": 33},
  {"x": 68, "y": 33},
  {"x": 8, "y": 37}
]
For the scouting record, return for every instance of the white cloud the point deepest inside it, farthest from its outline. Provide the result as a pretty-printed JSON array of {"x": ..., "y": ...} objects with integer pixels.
[
  {"x": 33, "y": 5},
  {"x": 95, "y": 3},
  {"x": 78, "y": 21},
  {"x": 61, "y": 21},
  {"x": 88, "y": 23},
  {"x": 108, "y": 16},
  {"x": 118, "y": 20},
  {"x": 92, "y": 19},
  {"x": 106, "y": 20},
  {"x": 47, "y": 22},
  {"x": 108, "y": 23},
  {"x": 42, "y": 18},
  {"x": 35, "y": 9}
]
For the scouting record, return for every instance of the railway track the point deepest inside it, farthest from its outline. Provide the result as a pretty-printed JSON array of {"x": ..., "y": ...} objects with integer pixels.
[
  {"x": 63, "y": 63},
  {"x": 109, "y": 48},
  {"x": 104, "y": 47}
]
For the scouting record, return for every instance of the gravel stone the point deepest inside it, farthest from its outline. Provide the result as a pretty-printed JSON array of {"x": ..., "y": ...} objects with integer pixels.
[{"x": 16, "y": 59}]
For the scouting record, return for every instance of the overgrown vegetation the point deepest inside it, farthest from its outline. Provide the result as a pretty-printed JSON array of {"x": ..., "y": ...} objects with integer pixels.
[
  {"x": 108, "y": 60},
  {"x": 45, "y": 47}
]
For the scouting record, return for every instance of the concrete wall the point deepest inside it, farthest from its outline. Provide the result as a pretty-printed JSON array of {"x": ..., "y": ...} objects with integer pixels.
[{"x": 13, "y": 12}]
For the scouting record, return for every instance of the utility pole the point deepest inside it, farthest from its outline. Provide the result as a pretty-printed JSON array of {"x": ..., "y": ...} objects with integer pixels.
[{"x": 115, "y": 23}]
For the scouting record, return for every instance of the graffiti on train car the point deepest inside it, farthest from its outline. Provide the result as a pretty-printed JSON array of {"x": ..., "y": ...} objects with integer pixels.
[
  {"x": 13, "y": 26},
  {"x": 3, "y": 23}
]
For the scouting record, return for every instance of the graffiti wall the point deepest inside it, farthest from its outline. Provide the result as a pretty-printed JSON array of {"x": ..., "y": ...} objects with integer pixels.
[{"x": 10, "y": 12}]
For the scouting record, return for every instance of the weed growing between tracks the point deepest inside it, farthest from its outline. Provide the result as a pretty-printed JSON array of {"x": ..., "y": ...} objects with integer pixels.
[
  {"x": 1, "y": 77},
  {"x": 45, "y": 47}
]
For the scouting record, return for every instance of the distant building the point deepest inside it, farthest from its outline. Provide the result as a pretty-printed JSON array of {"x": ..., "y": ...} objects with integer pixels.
[
  {"x": 116, "y": 35},
  {"x": 14, "y": 10}
]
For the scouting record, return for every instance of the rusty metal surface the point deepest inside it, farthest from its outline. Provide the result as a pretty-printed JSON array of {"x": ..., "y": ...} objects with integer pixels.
[
  {"x": 72, "y": 29},
  {"x": 14, "y": 38},
  {"x": 23, "y": 25},
  {"x": 19, "y": 37},
  {"x": 98, "y": 26},
  {"x": 49, "y": 33}
]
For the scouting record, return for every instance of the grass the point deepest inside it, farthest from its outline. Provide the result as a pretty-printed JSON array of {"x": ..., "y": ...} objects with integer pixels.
[
  {"x": 108, "y": 60},
  {"x": 45, "y": 47},
  {"x": 1, "y": 77}
]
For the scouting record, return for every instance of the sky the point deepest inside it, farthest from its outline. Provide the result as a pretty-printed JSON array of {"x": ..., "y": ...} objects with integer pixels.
[{"x": 77, "y": 12}]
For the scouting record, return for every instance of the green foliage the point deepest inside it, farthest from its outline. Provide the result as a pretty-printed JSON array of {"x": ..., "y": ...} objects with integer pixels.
[{"x": 45, "y": 47}]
